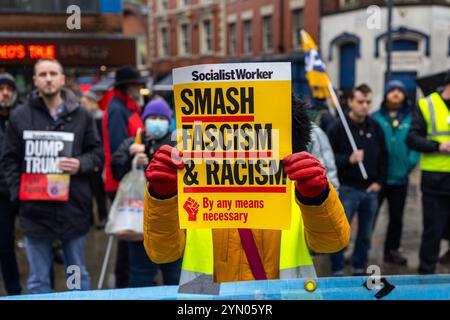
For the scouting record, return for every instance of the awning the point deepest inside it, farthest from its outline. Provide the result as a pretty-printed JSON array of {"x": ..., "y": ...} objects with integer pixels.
[
  {"x": 165, "y": 84},
  {"x": 104, "y": 84}
]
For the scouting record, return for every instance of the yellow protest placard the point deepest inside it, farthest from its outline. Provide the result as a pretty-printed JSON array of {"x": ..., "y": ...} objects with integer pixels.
[{"x": 234, "y": 128}]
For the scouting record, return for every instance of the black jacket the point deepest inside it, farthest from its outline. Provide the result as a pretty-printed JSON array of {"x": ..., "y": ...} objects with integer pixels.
[
  {"x": 54, "y": 219},
  {"x": 437, "y": 183},
  {"x": 121, "y": 159},
  {"x": 4, "y": 190},
  {"x": 368, "y": 136}
]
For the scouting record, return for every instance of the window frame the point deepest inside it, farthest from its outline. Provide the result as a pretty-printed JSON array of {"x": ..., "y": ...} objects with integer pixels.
[
  {"x": 248, "y": 50},
  {"x": 185, "y": 39},
  {"x": 267, "y": 35}
]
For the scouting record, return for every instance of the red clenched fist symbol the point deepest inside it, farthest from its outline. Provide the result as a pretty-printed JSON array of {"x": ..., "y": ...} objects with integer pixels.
[{"x": 191, "y": 207}]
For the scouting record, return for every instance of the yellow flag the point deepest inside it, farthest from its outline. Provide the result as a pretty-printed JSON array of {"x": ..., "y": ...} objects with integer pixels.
[{"x": 315, "y": 68}]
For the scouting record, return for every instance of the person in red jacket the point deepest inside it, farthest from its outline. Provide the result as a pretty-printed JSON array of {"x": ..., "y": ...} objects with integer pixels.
[{"x": 121, "y": 120}]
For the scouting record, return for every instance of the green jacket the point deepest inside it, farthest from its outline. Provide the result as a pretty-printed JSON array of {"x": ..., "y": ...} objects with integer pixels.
[{"x": 401, "y": 159}]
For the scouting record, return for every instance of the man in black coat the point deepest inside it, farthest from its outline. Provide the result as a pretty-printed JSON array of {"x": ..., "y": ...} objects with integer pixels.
[
  {"x": 8, "y": 261},
  {"x": 53, "y": 109},
  {"x": 359, "y": 195}
]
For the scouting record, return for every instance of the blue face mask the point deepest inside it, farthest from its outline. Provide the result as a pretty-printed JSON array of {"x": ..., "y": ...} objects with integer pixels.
[{"x": 157, "y": 128}]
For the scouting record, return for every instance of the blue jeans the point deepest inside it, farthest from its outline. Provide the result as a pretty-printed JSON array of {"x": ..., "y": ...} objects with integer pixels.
[
  {"x": 40, "y": 259},
  {"x": 143, "y": 270},
  {"x": 366, "y": 204}
]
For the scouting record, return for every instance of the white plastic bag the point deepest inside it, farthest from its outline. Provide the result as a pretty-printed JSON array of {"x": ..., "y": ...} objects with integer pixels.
[{"x": 126, "y": 219}]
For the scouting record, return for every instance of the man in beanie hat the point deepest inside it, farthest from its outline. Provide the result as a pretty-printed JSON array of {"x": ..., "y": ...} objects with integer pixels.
[
  {"x": 8, "y": 262},
  {"x": 430, "y": 135},
  {"x": 395, "y": 118},
  {"x": 156, "y": 117},
  {"x": 120, "y": 121}
]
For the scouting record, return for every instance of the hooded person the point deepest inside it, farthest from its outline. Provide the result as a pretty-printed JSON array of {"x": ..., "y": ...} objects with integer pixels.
[
  {"x": 395, "y": 118},
  {"x": 8, "y": 261},
  {"x": 218, "y": 255},
  {"x": 156, "y": 118}
]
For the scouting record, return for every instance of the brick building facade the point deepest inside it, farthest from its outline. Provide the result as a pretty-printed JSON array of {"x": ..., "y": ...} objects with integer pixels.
[{"x": 186, "y": 32}]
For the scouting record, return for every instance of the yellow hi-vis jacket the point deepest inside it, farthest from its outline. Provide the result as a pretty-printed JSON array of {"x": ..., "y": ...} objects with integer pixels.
[
  {"x": 217, "y": 255},
  {"x": 437, "y": 118}
]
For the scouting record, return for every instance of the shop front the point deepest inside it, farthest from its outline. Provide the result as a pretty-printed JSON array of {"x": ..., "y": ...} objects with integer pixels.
[{"x": 86, "y": 58}]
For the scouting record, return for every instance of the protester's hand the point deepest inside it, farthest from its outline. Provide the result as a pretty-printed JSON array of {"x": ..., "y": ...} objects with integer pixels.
[
  {"x": 307, "y": 172},
  {"x": 141, "y": 159},
  {"x": 357, "y": 156},
  {"x": 161, "y": 173},
  {"x": 444, "y": 147},
  {"x": 136, "y": 148},
  {"x": 69, "y": 165},
  {"x": 374, "y": 187}
]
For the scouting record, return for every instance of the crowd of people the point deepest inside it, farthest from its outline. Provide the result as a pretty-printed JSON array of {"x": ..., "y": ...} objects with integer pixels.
[{"x": 330, "y": 188}]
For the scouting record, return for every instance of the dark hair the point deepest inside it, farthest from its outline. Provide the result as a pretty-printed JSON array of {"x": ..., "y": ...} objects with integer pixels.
[
  {"x": 363, "y": 88},
  {"x": 301, "y": 125}
]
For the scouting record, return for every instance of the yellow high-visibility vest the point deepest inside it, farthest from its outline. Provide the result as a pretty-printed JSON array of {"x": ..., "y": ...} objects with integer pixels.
[
  {"x": 295, "y": 260},
  {"x": 437, "y": 117}
]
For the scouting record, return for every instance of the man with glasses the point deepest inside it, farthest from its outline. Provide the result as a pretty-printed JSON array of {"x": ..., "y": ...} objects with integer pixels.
[{"x": 359, "y": 195}]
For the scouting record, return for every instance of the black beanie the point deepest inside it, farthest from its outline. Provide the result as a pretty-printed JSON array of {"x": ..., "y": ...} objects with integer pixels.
[{"x": 7, "y": 78}]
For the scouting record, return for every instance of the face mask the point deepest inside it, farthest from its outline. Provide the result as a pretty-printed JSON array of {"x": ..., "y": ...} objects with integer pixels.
[{"x": 156, "y": 127}]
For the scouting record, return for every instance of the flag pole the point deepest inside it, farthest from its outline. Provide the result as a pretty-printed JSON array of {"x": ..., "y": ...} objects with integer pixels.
[{"x": 346, "y": 127}]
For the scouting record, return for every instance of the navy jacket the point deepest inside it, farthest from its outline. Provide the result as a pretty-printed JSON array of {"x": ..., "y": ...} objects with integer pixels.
[{"x": 368, "y": 136}]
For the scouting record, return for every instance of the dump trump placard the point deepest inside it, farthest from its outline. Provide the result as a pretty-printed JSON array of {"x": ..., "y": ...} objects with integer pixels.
[
  {"x": 234, "y": 128},
  {"x": 41, "y": 178}
]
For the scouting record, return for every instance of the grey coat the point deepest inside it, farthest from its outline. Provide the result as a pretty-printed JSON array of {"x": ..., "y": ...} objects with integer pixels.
[{"x": 321, "y": 149}]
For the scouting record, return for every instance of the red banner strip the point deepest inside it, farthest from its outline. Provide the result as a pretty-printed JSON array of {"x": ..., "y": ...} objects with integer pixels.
[
  {"x": 227, "y": 154},
  {"x": 218, "y": 119},
  {"x": 234, "y": 189}
]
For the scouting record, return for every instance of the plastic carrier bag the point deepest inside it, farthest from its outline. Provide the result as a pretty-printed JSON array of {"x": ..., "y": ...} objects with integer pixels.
[{"x": 126, "y": 219}]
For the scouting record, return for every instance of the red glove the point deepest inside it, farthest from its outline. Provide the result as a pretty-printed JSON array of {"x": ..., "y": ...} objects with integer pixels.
[
  {"x": 309, "y": 175},
  {"x": 162, "y": 171}
]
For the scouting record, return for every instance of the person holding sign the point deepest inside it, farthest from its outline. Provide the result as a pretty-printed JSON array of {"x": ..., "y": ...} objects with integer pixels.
[
  {"x": 212, "y": 256},
  {"x": 51, "y": 147}
]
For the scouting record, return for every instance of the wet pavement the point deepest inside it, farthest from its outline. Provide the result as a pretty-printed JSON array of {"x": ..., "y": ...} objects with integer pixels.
[{"x": 97, "y": 242}]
